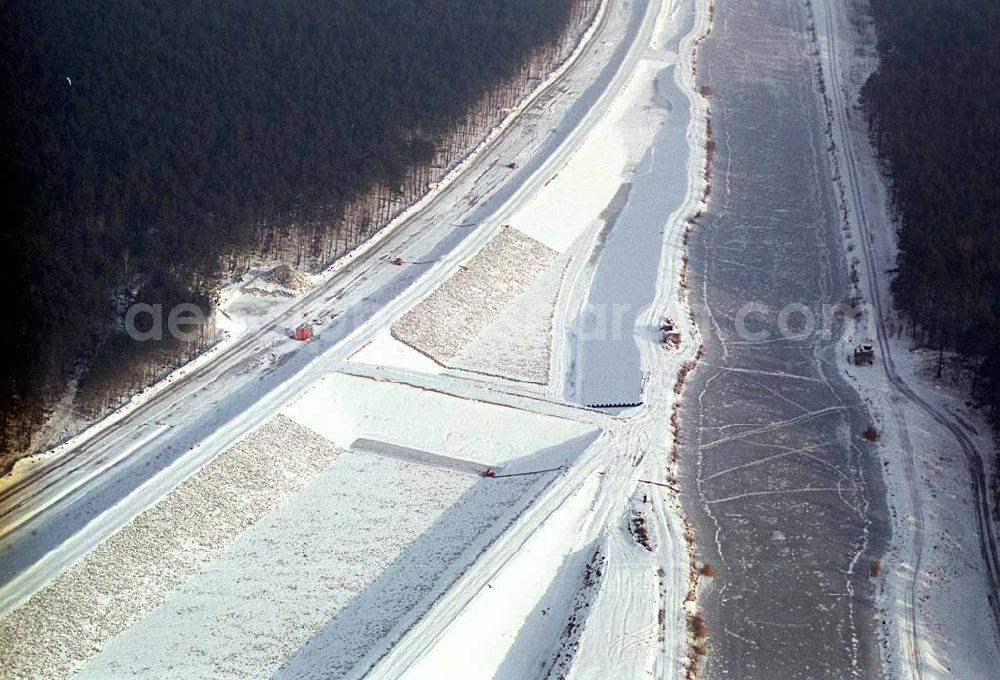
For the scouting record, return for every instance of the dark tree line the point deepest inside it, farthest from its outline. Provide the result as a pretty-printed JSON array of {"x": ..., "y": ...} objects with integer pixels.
[
  {"x": 934, "y": 111},
  {"x": 152, "y": 147}
]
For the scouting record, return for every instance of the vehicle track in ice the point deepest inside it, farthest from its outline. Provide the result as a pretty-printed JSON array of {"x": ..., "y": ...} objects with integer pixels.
[
  {"x": 913, "y": 651},
  {"x": 779, "y": 556},
  {"x": 854, "y": 203}
]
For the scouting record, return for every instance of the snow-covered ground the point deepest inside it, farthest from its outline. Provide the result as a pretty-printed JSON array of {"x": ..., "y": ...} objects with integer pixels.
[
  {"x": 349, "y": 533},
  {"x": 345, "y": 408},
  {"x": 634, "y": 618},
  {"x": 385, "y": 350},
  {"x": 511, "y": 627},
  {"x": 280, "y": 553},
  {"x": 561, "y": 212},
  {"x": 121, "y": 580},
  {"x": 209, "y": 404},
  {"x": 331, "y": 575},
  {"x": 934, "y": 584}
]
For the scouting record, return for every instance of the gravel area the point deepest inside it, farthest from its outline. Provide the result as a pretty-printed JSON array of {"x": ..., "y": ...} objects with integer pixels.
[
  {"x": 281, "y": 281},
  {"x": 70, "y": 620},
  {"x": 518, "y": 344},
  {"x": 311, "y": 589},
  {"x": 447, "y": 320}
]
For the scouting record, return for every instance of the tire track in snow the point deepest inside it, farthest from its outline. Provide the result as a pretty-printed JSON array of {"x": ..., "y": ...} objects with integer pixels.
[
  {"x": 914, "y": 653},
  {"x": 974, "y": 458}
]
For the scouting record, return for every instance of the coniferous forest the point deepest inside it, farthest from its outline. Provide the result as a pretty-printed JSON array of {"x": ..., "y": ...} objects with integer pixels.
[
  {"x": 934, "y": 112},
  {"x": 153, "y": 148}
]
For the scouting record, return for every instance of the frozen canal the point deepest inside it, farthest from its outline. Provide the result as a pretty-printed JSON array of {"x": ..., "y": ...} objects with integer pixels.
[{"x": 785, "y": 497}]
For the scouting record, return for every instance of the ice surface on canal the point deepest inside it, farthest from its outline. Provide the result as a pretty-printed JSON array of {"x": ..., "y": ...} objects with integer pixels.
[{"x": 784, "y": 495}]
